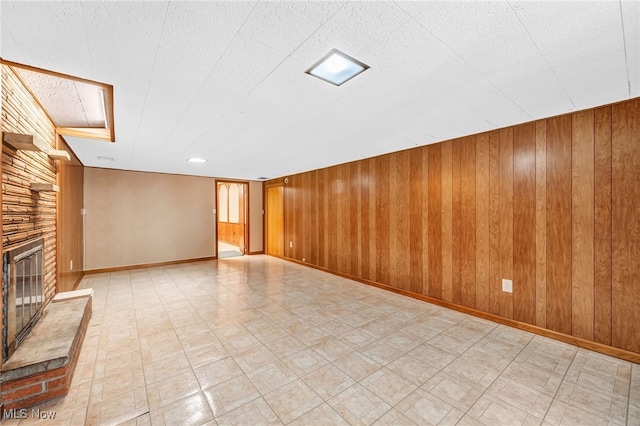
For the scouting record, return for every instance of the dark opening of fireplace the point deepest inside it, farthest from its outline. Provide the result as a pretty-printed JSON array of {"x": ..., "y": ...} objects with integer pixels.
[{"x": 23, "y": 293}]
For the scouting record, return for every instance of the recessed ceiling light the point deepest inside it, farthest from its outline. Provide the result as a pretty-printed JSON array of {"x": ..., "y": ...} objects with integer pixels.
[
  {"x": 103, "y": 158},
  {"x": 197, "y": 160},
  {"x": 337, "y": 68}
]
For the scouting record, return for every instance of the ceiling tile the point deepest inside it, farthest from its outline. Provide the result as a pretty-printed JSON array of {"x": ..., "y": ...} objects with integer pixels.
[{"x": 278, "y": 26}]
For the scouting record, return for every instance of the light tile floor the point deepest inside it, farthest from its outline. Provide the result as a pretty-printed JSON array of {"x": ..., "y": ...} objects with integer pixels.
[{"x": 257, "y": 340}]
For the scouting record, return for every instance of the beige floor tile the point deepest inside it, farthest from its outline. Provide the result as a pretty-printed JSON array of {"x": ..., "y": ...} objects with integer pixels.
[
  {"x": 109, "y": 387},
  {"x": 328, "y": 381},
  {"x": 217, "y": 372},
  {"x": 118, "y": 409},
  {"x": 433, "y": 355},
  {"x": 286, "y": 346},
  {"x": 172, "y": 389},
  {"x": 176, "y": 363},
  {"x": 381, "y": 352},
  {"x": 402, "y": 341},
  {"x": 270, "y": 334},
  {"x": 394, "y": 417},
  {"x": 179, "y": 329},
  {"x": 293, "y": 400},
  {"x": 561, "y": 414},
  {"x": 357, "y": 365},
  {"x": 332, "y": 348},
  {"x": 322, "y": 415},
  {"x": 206, "y": 354},
  {"x": 254, "y": 358},
  {"x": 271, "y": 377},
  {"x": 356, "y": 338},
  {"x": 388, "y": 385},
  {"x": 412, "y": 369},
  {"x": 521, "y": 396},
  {"x": 357, "y": 405},
  {"x": 312, "y": 336},
  {"x": 192, "y": 410},
  {"x": 256, "y": 412},
  {"x": 226, "y": 397}
]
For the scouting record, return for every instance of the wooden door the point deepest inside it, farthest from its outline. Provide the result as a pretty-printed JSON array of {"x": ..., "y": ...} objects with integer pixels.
[{"x": 275, "y": 220}]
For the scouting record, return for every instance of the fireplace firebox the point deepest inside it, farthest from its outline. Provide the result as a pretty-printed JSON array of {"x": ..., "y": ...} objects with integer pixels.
[{"x": 23, "y": 292}]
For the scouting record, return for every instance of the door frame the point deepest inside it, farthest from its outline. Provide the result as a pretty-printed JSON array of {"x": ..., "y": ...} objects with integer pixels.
[{"x": 246, "y": 229}]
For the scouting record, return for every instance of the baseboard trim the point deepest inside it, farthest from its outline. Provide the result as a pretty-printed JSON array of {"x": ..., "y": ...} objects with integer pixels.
[
  {"x": 582, "y": 343},
  {"x": 253, "y": 253},
  {"x": 148, "y": 265}
]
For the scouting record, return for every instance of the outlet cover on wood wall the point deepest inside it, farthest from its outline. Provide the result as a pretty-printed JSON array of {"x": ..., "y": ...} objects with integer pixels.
[{"x": 507, "y": 286}]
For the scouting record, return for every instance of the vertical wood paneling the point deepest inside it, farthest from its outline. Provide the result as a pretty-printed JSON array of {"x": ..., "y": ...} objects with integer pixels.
[
  {"x": 344, "y": 246},
  {"x": 446, "y": 217},
  {"x": 70, "y": 229},
  {"x": 602, "y": 229},
  {"x": 468, "y": 221},
  {"x": 541, "y": 223},
  {"x": 415, "y": 220},
  {"x": 323, "y": 198},
  {"x": 482, "y": 222},
  {"x": 495, "y": 286},
  {"x": 435, "y": 220},
  {"x": 456, "y": 207},
  {"x": 505, "y": 203},
  {"x": 425, "y": 220},
  {"x": 316, "y": 228},
  {"x": 355, "y": 198},
  {"x": 373, "y": 226},
  {"x": 582, "y": 224},
  {"x": 364, "y": 218},
  {"x": 332, "y": 220},
  {"x": 403, "y": 219},
  {"x": 382, "y": 219},
  {"x": 625, "y": 141},
  {"x": 524, "y": 223},
  {"x": 394, "y": 197},
  {"x": 552, "y": 205},
  {"x": 559, "y": 224}
]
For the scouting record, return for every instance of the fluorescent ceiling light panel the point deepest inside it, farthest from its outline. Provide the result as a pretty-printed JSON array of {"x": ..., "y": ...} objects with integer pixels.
[
  {"x": 337, "y": 68},
  {"x": 197, "y": 160}
]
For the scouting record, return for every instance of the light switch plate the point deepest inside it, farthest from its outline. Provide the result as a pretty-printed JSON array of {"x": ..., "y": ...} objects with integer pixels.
[{"x": 507, "y": 286}]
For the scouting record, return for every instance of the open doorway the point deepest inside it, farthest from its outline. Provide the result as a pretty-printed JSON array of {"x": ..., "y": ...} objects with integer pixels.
[{"x": 232, "y": 218}]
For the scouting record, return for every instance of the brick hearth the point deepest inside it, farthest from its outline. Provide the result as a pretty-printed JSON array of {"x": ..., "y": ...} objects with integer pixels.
[{"x": 41, "y": 369}]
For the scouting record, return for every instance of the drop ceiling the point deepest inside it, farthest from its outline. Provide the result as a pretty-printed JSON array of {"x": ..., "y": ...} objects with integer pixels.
[{"x": 225, "y": 81}]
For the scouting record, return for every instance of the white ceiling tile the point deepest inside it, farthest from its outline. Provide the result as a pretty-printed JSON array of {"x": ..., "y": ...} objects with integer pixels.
[
  {"x": 32, "y": 24},
  {"x": 319, "y": 11},
  {"x": 229, "y": 14},
  {"x": 583, "y": 44},
  {"x": 366, "y": 23},
  {"x": 226, "y": 80},
  {"x": 278, "y": 26},
  {"x": 631, "y": 21}
]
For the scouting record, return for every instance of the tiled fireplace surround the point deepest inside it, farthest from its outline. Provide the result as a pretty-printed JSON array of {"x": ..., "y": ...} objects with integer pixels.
[{"x": 258, "y": 340}]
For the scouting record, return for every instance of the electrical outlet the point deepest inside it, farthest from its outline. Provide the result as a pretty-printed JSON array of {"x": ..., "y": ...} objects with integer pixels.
[
  {"x": 507, "y": 286},
  {"x": 304, "y": 259},
  {"x": 290, "y": 243}
]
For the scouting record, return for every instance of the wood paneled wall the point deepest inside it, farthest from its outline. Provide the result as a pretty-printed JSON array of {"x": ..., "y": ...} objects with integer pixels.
[
  {"x": 70, "y": 223},
  {"x": 231, "y": 233},
  {"x": 553, "y": 205},
  {"x": 25, "y": 214}
]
